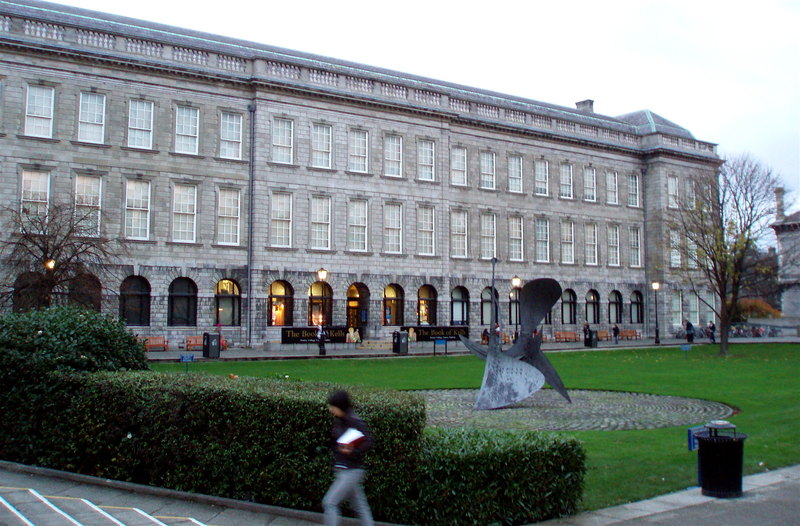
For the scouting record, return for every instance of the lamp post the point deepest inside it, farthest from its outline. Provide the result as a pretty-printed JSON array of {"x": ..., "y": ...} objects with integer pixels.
[
  {"x": 516, "y": 284},
  {"x": 656, "y": 285}
]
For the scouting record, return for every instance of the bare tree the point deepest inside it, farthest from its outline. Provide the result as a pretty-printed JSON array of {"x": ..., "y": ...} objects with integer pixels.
[
  {"x": 723, "y": 226},
  {"x": 53, "y": 252}
]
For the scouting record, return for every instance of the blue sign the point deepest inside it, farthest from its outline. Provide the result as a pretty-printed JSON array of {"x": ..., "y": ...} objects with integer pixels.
[
  {"x": 691, "y": 438},
  {"x": 187, "y": 357}
]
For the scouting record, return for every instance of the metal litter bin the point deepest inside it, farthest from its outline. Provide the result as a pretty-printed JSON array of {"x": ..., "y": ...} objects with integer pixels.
[
  {"x": 400, "y": 342},
  {"x": 210, "y": 345},
  {"x": 593, "y": 339},
  {"x": 719, "y": 460}
]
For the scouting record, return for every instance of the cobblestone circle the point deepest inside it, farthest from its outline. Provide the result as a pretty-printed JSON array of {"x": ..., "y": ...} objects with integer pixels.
[{"x": 589, "y": 410}]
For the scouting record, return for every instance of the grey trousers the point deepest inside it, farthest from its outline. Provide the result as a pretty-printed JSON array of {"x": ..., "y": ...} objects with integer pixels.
[{"x": 347, "y": 486}]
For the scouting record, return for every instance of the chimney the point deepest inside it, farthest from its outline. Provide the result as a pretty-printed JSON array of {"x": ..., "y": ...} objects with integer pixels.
[
  {"x": 586, "y": 106},
  {"x": 779, "y": 211}
]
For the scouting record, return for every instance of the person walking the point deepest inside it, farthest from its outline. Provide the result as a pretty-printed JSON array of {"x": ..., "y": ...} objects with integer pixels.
[
  {"x": 689, "y": 332},
  {"x": 321, "y": 339},
  {"x": 712, "y": 329},
  {"x": 615, "y": 333},
  {"x": 351, "y": 438}
]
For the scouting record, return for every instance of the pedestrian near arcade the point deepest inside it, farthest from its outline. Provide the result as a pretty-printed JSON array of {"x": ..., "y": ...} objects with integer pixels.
[
  {"x": 689, "y": 332},
  {"x": 712, "y": 329},
  {"x": 615, "y": 333},
  {"x": 321, "y": 339}
]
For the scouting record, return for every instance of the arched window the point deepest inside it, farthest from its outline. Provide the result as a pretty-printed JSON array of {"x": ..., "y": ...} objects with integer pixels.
[
  {"x": 592, "y": 307},
  {"x": 569, "y": 303},
  {"x": 320, "y": 304},
  {"x": 228, "y": 303},
  {"x": 85, "y": 291},
  {"x": 134, "y": 301},
  {"x": 486, "y": 306},
  {"x": 30, "y": 292},
  {"x": 637, "y": 307},
  {"x": 393, "y": 305},
  {"x": 281, "y": 304},
  {"x": 358, "y": 307},
  {"x": 182, "y": 303},
  {"x": 459, "y": 306},
  {"x": 615, "y": 307},
  {"x": 426, "y": 305}
]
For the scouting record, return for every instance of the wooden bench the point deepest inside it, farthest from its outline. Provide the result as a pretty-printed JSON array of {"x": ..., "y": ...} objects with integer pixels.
[
  {"x": 153, "y": 343},
  {"x": 603, "y": 335},
  {"x": 629, "y": 334},
  {"x": 195, "y": 343},
  {"x": 566, "y": 336}
]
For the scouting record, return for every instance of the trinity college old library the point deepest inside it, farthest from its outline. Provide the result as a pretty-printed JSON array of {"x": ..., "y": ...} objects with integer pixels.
[{"x": 251, "y": 189}]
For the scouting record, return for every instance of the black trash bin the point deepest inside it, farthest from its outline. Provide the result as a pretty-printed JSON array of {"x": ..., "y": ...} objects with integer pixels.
[
  {"x": 400, "y": 342},
  {"x": 593, "y": 339},
  {"x": 719, "y": 460},
  {"x": 210, "y": 345}
]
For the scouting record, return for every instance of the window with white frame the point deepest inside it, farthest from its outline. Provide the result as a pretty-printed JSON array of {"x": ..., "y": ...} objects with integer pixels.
[
  {"x": 137, "y": 209},
  {"x": 35, "y": 197},
  {"x": 282, "y": 141},
  {"x": 87, "y": 204},
  {"x": 613, "y": 245},
  {"x": 140, "y": 124},
  {"x": 358, "y": 153},
  {"x": 633, "y": 190},
  {"x": 589, "y": 183},
  {"x": 228, "y": 216},
  {"x": 612, "y": 191},
  {"x": 39, "y": 112},
  {"x": 230, "y": 135},
  {"x": 672, "y": 191},
  {"x": 590, "y": 243},
  {"x": 693, "y": 311},
  {"x": 488, "y": 235},
  {"x": 393, "y": 228},
  {"x": 487, "y": 170},
  {"x": 676, "y": 307},
  {"x": 458, "y": 233},
  {"x": 542, "y": 240},
  {"x": 516, "y": 251},
  {"x": 692, "y": 253},
  {"x": 92, "y": 118},
  {"x": 321, "y": 145},
  {"x": 357, "y": 225},
  {"x": 321, "y": 222},
  {"x": 674, "y": 249},
  {"x": 691, "y": 195},
  {"x": 458, "y": 166},
  {"x": 542, "y": 177},
  {"x": 425, "y": 160},
  {"x": 635, "y": 239},
  {"x": 184, "y": 213},
  {"x": 707, "y": 306},
  {"x": 567, "y": 242},
  {"x": 426, "y": 235},
  {"x": 393, "y": 156},
  {"x": 281, "y": 220},
  {"x": 565, "y": 182},
  {"x": 187, "y": 130},
  {"x": 515, "y": 173}
]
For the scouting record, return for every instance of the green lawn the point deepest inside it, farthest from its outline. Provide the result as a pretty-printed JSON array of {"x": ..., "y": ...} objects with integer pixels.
[{"x": 762, "y": 381}]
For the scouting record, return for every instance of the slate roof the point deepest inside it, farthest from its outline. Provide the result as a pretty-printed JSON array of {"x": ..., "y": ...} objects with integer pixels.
[{"x": 647, "y": 122}]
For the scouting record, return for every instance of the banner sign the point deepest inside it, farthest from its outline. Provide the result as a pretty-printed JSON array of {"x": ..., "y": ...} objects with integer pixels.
[
  {"x": 428, "y": 333},
  {"x": 309, "y": 334}
]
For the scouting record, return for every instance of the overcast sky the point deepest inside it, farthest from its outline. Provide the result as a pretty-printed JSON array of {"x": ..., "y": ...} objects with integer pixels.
[{"x": 728, "y": 71}]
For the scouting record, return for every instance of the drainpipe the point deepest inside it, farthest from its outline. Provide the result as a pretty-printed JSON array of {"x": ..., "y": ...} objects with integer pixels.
[{"x": 250, "y": 206}]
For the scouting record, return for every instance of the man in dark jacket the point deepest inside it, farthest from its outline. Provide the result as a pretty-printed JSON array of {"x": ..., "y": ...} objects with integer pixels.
[{"x": 348, "y": 461}]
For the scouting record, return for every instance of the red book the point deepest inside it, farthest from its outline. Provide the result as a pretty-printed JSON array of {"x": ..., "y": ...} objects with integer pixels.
[{"x": 352, "y": 437}]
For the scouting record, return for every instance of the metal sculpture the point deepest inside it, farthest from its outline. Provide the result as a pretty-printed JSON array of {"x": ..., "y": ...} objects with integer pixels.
[{"x": 513, "y": 375}]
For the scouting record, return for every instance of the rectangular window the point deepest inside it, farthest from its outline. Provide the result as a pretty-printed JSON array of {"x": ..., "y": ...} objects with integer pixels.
[
  {"x": 458, "y": 233},
  {"x": 321, "y": 145},
  {"x": 693, "y": 313},
  {"x": 488, "y": 236},
  {"x": 458, "y": 166},
  {"x": 487, "y": 176},
  {"x": 672, "y": 191},
  {"x": 187, "y": 130},
  {"x": 357, "y": 226},
  {"x": 393, "y": 229},
  {"x": 137, "y": 209},
  {"x": 612, "y": 192},
  {"x": 282, "y": 141},
  {"x": 230, "y": 135},
  {"x": 184, "y": 213},
  {"x": 613, "y": 245},
  {"x": 516, "y": 251},
  {"x": 426, "y": 235},
  {"x": 568, "y": 242},
  {"x": 358, "y": 155},
  {"x": 676, "y": 307},
  {"x": 542, "y": 185},
  {"x": 635, "y": 238},
  {"x": 707, "y": 306},
  {"x": 321, "y": 222},
  {"x": 140, "y": 124},
  {"x": 633, "y": 190},
  {"x": 228, "y": 217},
  {"x": 542, "y": 240},
  {"x": 425, "y": 160},
  {"x": 515, "y": 173},
  {"x": 590, "y": 244},
  {"x": 35, "y": 197},
  {"x": 565, "y": 183},
  {"x": 691, "y": 195},
  {"x": 393, "y": 156},
  {"x": 692, "y": 254},
  {"x": 674, "y": 249},
  {"x": 281, "y": 220},
  {"x": 39, "y": 112},
  {"x": 87, "y": 205},
  {"x": 92, "y": 118},
  {"x": 589, "y": 183}
]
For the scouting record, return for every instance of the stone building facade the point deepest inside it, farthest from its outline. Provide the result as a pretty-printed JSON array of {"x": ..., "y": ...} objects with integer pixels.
[
  {"x": 232, "y": 171},
  {"x": 787, "y": 232}
]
